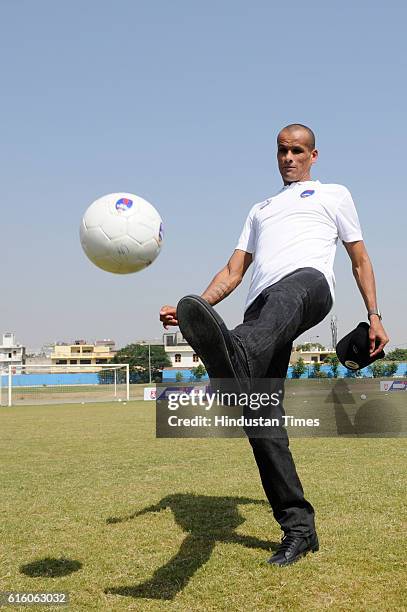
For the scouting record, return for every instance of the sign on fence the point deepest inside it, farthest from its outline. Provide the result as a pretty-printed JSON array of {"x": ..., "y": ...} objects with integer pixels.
[
  {"x": 393, "y": 385},
  {"x": 149, "y": 393}
]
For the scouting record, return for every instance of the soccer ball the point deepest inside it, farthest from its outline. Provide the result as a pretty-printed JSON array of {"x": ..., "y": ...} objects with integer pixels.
[{"x": 121, "y": 233}]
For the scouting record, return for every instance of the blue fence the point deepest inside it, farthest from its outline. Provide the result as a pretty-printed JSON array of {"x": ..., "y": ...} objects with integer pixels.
[
  {"x": 90, "y": 378},
  {"x": 170, "y": 375},
  {"x": 45, "y": 380}
]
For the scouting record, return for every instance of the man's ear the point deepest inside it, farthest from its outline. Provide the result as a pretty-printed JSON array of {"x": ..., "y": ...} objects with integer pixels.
[{"x": 314, "y": 156}]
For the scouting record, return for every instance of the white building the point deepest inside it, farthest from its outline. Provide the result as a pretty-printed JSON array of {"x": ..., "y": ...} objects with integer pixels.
[
  {"x": 179, "y": 351},
  {"x": 11, "y": 353},
  {"x": 314, "y": 355},
  {"x": 183, "y": 356}
]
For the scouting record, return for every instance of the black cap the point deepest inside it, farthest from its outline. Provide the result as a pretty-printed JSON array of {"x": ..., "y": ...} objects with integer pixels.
[{"x": 353, "y": 349}]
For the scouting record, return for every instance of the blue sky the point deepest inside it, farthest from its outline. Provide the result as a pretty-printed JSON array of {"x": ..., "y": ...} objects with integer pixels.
[{"x": 180, "y": 103}]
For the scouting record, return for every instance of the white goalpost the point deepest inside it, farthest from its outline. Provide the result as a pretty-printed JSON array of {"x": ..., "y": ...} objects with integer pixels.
[{"x": 54, "y": 384}]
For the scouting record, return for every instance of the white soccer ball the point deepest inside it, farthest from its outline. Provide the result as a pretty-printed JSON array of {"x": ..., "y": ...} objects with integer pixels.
[{"x": 121, "y": 233}]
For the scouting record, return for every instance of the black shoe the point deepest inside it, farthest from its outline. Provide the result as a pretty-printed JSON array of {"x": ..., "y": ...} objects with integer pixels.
[
  {"x": 293, "y": 547},
  {"x": 208, "y": 335}
]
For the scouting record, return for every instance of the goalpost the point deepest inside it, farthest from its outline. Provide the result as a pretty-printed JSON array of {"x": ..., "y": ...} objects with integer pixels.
[{"x": 55, "y": 384}]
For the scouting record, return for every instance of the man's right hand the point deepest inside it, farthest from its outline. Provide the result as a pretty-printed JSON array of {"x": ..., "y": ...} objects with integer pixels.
[{"x": 168, "y": 316}]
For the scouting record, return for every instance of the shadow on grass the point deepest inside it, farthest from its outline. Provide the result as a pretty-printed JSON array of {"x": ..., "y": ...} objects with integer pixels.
[
  {"x": 50, "y": 567},
  {"x": 374, "y": 418},
  {"x": 207, "y": 520}
]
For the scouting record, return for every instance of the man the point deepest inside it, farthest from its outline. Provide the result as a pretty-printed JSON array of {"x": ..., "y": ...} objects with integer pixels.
[{"x": 291, "y": 240}]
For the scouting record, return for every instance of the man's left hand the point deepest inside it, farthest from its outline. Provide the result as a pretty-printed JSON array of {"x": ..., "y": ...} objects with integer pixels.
[{"x": 377, "y": 336}]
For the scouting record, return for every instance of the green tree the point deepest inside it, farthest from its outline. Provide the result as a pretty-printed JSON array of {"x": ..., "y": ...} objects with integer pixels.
[
  {"x": 308, "y": 346},
  {"x": 398, "y": 354},
  {"x": 316, "y": 370},
  {"x": 179, "y": 377},
  {"x": 298, "y": 368},
  {"x": 390, "y": 368},
  {"x": 136, "y": 355},
  {"x": 377, "y": 369},
  {"x": 333, "y": 362},
  {"x": 198, "y": 372}
]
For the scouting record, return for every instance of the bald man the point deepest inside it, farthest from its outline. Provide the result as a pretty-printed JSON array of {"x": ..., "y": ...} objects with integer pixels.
[{"x": 291, "y": 239}]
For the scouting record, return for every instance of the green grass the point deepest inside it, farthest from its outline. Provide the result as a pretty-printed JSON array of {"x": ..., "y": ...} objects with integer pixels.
[{"x": 76, "y": 479}]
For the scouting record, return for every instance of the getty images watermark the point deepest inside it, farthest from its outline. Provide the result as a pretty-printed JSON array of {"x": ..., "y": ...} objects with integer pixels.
[
  {"x": 252, "y": 401},
  {"x": 275, "y": 407}
]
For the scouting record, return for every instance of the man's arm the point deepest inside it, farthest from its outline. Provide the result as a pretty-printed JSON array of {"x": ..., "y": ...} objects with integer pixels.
[
  {"x": 364, "y": 276},
  {"x": 228, "y": 278},
  {"x": 221, "y": 285}
]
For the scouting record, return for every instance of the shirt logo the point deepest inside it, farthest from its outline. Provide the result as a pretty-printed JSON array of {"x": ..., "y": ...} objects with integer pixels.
[
  {"x": 124, "y": 204},
  {"x": 307, "y": 193}
]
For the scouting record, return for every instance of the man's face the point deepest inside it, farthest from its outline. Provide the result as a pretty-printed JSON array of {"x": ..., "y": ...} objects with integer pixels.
[{"x": 295, "y": 155}]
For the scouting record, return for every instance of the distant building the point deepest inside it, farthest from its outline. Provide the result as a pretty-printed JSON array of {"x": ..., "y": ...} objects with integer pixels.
[
  {"x": 108, "y": 342},
  {"x": 81, "y": 353},
  {"x": 180, "y": 353},
  {"x": 183, "y": 357},
  {"x": 11, "y": 354},
  {"x": 35, "y": 361},
  {"x": 153, "y": 342},
  {"x": 47, "y": 349},
  {"x": 314, "y": 355}
]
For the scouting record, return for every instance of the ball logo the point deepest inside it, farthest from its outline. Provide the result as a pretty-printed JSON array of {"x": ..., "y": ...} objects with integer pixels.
[
  {"x": 123, "y": 250},
  {"x": 352, "y": 365},
  {"x": 124, "y": 204},
  {"x": 307, "y": 193},
  {"x": 161, "y": 233}
]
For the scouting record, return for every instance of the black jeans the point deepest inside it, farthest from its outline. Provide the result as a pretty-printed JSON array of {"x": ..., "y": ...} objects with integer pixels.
[{"x": 280, "y": 314}]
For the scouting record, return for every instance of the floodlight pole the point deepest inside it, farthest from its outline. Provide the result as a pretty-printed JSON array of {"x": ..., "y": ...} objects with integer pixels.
[{"x": 149, "y": 363}]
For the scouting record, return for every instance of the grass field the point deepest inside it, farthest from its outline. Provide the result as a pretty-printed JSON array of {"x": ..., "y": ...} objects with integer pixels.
[{"x": 93, "y": 504}]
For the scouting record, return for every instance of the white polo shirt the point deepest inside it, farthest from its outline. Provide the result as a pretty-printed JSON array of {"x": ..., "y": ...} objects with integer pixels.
[{"x": 297, "y": 228}]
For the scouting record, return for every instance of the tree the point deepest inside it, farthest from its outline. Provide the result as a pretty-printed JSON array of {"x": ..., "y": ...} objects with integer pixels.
[
  {"x": 198, "y": 372},
  {"x": 398, "y": 354},
  {"x": 298, "y": 368},
  {"x": 333, "y": 362},
  {"x": 390, "y": 368},
  {"x": 308, "y": 346},
  {"x": 316, "y": 370},
  {"x": 136, "y": 355},
  {"x": 377, "y": 369},
  {"x": 380, "y": 368},
  {"x": 179, "y": 377}
]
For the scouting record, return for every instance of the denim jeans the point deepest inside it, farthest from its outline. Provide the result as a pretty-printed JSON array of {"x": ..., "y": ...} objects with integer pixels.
[{"x": 278, "y": 315}]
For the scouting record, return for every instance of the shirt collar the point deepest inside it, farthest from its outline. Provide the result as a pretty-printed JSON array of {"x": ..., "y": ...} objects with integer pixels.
[{"x": 300, "y": 183}]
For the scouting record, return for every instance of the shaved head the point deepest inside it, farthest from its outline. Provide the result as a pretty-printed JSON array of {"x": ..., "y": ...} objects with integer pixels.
[
  {"x": 299, "y": 127},
  {"x": 296, "y": 152}
]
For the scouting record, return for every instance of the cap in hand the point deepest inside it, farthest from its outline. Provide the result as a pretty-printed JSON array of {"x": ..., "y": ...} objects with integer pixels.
[{"x": 354, "y": 349}]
